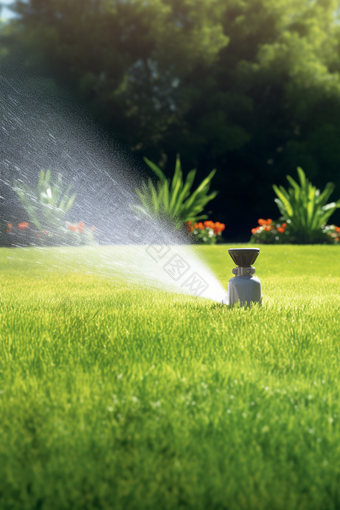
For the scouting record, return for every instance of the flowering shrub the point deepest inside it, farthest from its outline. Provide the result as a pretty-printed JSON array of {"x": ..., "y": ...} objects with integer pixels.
[
  {"x": 80, "y": 234},
  {"x": 24, "y": 234},
  {"x": 270, "y": 232},
  {"x": 47, "y": 203},
  {"x": 333, "y": 232},
  {"x": 207, "y": 232}
]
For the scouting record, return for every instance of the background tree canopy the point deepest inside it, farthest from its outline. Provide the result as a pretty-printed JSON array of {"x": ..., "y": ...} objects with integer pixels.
[{"x": 250, "y": 87}]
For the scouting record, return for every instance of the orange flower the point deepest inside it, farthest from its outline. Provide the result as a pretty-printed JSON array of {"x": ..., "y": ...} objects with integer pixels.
[
  {"x": 216, "y": 227},
  {"x": 269, "y": 221},
  {"x": 73, "y": 228},
  {"x": 209, "y": 224},
  {"x": 337, "y": 229},
  {"x": 8, "y": 230},
  {"x": 9, "y": 225},
  {"x": 337, "y": 239},
  {"x": 199, "y": 226},
  {"x": 219, "y": 227},
  {"x": 23, "y": 225},
  {"x": 284, "y": 225},
  {"x": 281, "y": 229},
  {"x": 188, "y": 225},
  {"x": 94, "y": 228},
  {"x": 261, "y": 221},
  {"x": 254, "y": 230}
]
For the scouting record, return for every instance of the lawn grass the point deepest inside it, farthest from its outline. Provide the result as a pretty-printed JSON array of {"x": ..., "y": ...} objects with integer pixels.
[{"x": 123, "y": 398}]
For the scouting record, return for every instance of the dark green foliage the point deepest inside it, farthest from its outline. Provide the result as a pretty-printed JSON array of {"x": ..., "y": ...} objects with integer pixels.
[{"x": 250, "y": 88}]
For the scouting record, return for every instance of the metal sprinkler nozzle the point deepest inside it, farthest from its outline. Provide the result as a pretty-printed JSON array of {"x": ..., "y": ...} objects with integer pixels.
[{"x": 244, "y": 287}]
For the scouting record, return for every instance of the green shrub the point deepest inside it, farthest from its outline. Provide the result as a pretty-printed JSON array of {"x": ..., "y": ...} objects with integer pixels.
[
  {"x": 171, "y": 198},
  {"x": 46, "y": 205},
  {"x": 305, "y": 209}
]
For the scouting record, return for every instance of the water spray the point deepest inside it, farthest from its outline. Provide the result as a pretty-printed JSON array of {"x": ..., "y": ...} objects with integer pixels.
[
  {"x": 244, "y": 286},
  {"x": 144, "y": 253}
]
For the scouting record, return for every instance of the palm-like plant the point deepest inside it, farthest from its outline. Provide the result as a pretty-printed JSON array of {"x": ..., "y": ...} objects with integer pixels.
[
  {"x": 48, "y": 204},
  {"x": 304, "y": 208},
  {"x": 172, "y": 198}
]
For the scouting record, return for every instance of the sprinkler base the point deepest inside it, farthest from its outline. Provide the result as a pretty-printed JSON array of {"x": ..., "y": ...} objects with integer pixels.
[{"x": 244, "y": 289}]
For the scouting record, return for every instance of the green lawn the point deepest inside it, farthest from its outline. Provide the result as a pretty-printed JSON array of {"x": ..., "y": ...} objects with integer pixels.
[{"x": 118, "y": 398}]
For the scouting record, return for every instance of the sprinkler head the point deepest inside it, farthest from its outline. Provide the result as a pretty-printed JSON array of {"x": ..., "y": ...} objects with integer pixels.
[
  {"x": 244, "y": 257},
  {"x": 244, "y": 287}
]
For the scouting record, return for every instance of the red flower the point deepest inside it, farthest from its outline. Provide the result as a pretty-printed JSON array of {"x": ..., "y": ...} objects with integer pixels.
[
  {"x": 23, "y": 225},
  {"x": 263, "y": 222}
]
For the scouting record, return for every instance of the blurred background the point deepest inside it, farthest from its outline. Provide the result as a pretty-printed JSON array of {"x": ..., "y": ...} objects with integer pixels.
[{"x": 251, "y": 88}]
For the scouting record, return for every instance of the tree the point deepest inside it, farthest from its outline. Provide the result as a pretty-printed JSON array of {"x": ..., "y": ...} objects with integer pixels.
[
  {"x": 126, "y": 58},
  {"x": 270, "y": 104}
]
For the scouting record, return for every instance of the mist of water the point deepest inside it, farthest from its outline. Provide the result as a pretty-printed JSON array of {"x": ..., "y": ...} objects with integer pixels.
[{"x": 42, "y": 132}]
